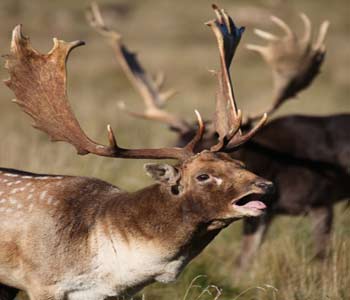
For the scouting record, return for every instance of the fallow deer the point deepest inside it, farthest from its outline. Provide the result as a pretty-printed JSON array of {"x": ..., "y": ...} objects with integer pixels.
[
  {"x": 307, "y": 157},
  {"x": 76, "y": 238}
]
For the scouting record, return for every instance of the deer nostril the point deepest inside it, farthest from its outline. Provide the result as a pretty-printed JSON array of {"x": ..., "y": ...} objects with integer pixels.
[{"x": 267, "y": 186}]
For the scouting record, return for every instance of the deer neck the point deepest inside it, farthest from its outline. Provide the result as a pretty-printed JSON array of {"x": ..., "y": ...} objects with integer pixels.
[
  {"x": 165, "y": 233},
  {"x": 153, "y": 214}
]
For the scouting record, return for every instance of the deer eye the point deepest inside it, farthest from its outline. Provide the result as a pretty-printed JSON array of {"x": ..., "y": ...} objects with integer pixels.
[{"x": 202, "y": 177}]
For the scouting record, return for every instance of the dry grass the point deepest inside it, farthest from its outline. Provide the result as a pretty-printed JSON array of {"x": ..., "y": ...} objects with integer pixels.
[{"x": 170, "y": 36}]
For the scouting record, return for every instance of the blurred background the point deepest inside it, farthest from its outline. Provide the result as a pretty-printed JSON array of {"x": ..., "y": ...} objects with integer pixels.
[{"x": 170, "y": 36}]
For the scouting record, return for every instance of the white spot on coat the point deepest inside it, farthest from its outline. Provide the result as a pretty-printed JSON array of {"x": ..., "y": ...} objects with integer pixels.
[
  {"x": 14, "y": 191},
  {"x": 43, "y": 195}
]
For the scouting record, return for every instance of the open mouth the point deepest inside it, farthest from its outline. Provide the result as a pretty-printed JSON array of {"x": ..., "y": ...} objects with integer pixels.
[{"x": 251, "y": 202}]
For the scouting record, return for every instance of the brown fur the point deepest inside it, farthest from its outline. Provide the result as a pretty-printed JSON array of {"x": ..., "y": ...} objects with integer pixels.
[{"x": 58, "y": 218}]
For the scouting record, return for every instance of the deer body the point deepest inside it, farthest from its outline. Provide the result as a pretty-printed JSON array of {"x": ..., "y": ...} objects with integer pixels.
[
  {"x": 322, "y": 139},
  {"x": 95, "y": 241},
  {"x": 308, "y": 159}
]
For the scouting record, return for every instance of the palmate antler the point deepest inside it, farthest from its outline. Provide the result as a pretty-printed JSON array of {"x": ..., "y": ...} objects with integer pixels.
[
  {"x": 228, "y": 119},
  {"x": 150, "y": 90},
  {"x": 39, "y": 83},
  {"x": 295, "y": 61}
]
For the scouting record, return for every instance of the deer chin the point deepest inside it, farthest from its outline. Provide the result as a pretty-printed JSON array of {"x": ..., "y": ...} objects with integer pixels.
[{"x": 249, "y": 205}]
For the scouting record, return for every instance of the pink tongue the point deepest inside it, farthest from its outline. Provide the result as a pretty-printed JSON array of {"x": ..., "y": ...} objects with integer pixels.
[{"x": 255, "y": 204}]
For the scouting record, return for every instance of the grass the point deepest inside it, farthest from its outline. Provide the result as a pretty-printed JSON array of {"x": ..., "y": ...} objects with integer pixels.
[{"x": 170, "y": 36}]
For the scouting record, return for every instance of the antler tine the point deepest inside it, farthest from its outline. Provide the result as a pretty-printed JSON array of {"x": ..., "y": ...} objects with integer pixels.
[
  {"x": 239, "y": 140},
  {"x": 228, "y": 118},
  {"x": 295, "y": 62},
  {"x": 283, "y": 25},
  {"x": 200, "y": 132},
  {"x": 149, "y": 89},
  {"x": 265, "y": 35},
  {"x": 307, "y": 28},
  {"x": 44, "y": 98},
  {"x": 319, "y": 45}
]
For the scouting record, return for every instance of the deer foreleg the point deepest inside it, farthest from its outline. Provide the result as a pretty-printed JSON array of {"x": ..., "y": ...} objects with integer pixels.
[
  {"x": 254, "y": 231},
  {"x": 322, "y": 219}
]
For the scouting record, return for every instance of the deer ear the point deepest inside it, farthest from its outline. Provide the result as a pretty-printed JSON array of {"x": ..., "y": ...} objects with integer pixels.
[{"x": 162, "y": 172}]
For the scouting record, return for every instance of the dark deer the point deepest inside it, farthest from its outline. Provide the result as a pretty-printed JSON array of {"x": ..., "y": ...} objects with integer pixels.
[
  {"x": 306, "y": 157},
  {"x": 79, "y": 238}
]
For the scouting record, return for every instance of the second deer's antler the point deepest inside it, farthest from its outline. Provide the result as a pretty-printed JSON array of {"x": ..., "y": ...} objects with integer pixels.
[
  {"x": 295, "y": 61},
  {"x": 150, "y": 90}
]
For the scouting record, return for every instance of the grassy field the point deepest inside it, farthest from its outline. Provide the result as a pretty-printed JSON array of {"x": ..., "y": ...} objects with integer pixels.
[{"x": 170, "y": 36}]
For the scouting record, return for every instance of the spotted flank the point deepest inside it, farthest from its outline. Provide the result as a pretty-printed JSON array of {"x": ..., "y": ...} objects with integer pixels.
[{"x": 21, "y": 192}]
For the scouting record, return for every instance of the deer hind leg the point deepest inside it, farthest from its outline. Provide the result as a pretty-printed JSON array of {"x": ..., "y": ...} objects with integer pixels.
[
  {"x": 322, "y": 220},
  {"x": 7, "y": 293},
  {"x": 254, "y": 232}
]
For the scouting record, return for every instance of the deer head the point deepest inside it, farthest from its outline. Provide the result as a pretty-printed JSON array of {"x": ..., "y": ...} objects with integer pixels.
[{"x": 215, "y": 187}]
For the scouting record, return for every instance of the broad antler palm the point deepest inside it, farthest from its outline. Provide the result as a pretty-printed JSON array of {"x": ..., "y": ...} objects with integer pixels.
[
  {"x": 294, "y": 61},
  {"x": 39, "y": 83},
  {"x": 228, "y": 119}
]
